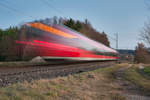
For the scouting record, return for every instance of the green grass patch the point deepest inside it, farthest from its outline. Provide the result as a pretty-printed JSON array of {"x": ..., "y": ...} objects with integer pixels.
[
  {"x": 133, "y": 76},
  {"x": 147, "y": 70},
  {"x": 118, "y": 97}
]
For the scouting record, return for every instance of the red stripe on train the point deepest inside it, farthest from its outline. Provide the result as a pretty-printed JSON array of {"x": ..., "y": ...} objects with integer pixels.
[{"x": 59, "y": 50}]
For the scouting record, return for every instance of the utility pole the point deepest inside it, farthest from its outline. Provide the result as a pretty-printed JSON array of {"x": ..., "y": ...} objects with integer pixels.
[{"x": 117, "y": 41}]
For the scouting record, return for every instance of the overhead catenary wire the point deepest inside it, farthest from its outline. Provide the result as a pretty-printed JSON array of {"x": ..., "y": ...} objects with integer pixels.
[
  {"x": 111, "y": 37},
  {"x": 2, "y": 4},
  {"x": 5, "y": 3},
  {"x": 147, "y": 3},
  {"x": 50, "y": 6}
]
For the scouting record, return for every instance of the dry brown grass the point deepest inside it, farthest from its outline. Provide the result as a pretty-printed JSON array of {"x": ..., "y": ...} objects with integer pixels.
[{"x": 95, "y": 85}]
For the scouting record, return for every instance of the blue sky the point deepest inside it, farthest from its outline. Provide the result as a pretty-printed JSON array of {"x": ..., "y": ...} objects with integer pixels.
[{"x": 125, "y": 17}]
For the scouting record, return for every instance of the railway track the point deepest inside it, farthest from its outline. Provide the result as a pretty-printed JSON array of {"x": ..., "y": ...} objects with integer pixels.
[{"x": 13, "y": 75}]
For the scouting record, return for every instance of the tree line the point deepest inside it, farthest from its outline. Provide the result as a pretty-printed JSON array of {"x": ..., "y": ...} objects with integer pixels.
[
  {"x": 87, "y": 29},
  {"x": 84, "y": 27},
  {"x": 8, "y": 50}
]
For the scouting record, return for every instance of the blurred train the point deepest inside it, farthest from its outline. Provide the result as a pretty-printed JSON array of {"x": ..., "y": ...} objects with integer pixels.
[{"x": 59, "y": 42}]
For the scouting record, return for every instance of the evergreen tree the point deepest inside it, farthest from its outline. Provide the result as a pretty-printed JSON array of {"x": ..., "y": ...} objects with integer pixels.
[
  {"x": 70, "y": 23},
  {"x": 78, "y": 26},
  {"x": 86, "y": 29},
  {"x": 8, "y": 44}
]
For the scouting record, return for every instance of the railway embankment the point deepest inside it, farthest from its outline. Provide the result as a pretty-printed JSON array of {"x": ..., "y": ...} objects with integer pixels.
[
  {"x": 119, "y": 82},
  {"x": 12, "y": 75}
]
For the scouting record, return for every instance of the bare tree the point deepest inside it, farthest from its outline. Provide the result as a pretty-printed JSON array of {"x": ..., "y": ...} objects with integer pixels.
[{"x": 145, "y": 33}]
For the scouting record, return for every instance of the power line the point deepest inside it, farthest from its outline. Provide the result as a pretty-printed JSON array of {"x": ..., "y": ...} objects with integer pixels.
[
  {"x": 50, "y": 6},
  {"x": 5, "y": 6},
  {"x": 13, "y": 9},
  {"x": 146, "y": 3},
  {"x": 111, "y": 37}
]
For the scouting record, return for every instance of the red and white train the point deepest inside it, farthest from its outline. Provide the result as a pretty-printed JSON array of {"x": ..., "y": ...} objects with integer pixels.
[{"x": 59, "y": 42}]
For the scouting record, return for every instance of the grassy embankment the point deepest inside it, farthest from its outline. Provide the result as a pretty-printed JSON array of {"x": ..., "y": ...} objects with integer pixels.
[
  {"x": 136, "y": 78},
  {"x": 94, "y": 85},
  {"x": 147, "y": 70}
]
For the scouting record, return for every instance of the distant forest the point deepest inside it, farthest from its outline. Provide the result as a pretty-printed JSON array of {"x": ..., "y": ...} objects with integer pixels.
[{"x": 10, "y": 52}]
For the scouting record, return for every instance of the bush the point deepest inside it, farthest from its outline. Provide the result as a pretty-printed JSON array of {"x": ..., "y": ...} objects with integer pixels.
[{"x": 141, "y": 54}]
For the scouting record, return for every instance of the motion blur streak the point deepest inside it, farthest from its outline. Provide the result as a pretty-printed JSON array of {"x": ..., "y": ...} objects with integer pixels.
[
  {"x": 55, "y": 50},
  {"x": 51, "y": 30},
  {"x": 92, "y": 42}
]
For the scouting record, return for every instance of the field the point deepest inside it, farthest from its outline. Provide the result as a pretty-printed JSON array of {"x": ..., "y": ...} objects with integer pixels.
[{"x": 119, "y": 82}]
